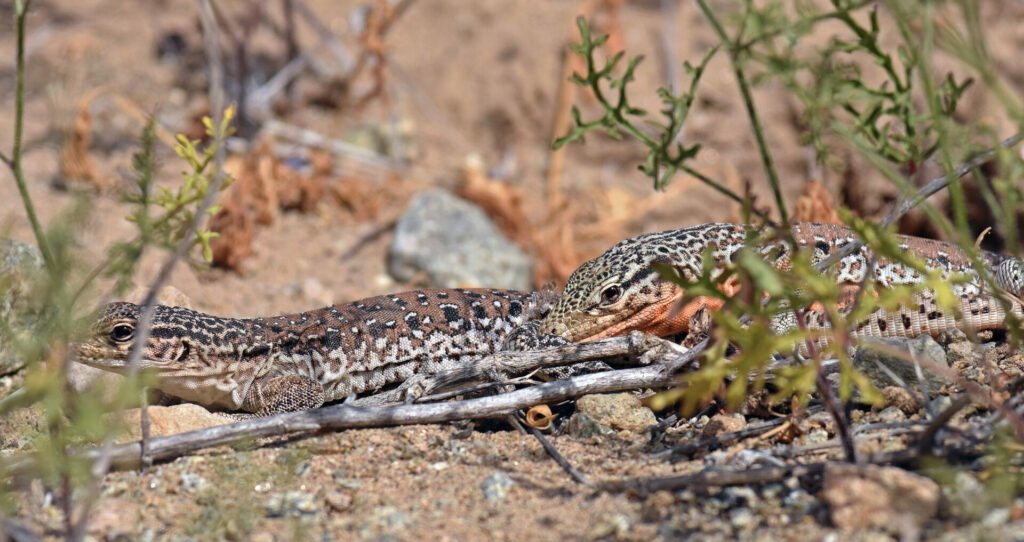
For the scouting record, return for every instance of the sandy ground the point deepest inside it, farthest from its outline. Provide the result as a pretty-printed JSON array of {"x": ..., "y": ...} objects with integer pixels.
[{"x": 467, "y": 78}]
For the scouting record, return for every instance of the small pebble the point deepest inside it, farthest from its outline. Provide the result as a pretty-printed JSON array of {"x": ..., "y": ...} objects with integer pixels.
[
  {"x": 339, "y": 500},
  {"x": 496, "y": 486},
  {"x": 816, "y": 435},
  {"x": 721, "y": 424},
  {"x": 742, "y": 518},
  {"x": 616, "y": 525},
  {"x": 900, "y": 398},
  {"x": 290, "y": 503},
  {"x": 193, "y": 483},
  {"x": 891, "y": 414}
]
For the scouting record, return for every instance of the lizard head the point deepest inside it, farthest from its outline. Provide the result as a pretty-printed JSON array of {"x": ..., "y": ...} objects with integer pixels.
[
  {"x": 168, "y": 348},
  {"x": 620, "y": 291},
  {"x": 192, "y": 353}
]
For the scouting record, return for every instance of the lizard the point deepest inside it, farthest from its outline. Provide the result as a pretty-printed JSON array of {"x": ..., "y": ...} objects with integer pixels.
[
  {"x": 300, "y": 361},
  {"x": 619, "y": 291}
]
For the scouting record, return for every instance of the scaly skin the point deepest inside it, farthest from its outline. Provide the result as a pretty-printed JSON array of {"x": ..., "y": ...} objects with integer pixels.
[
  {"x": 300, "y": 361},
  {"x": 619, "y": 291}
]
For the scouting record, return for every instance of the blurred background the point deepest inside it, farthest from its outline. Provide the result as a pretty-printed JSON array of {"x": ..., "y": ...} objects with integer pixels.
[{"x": 394, "y": 144}]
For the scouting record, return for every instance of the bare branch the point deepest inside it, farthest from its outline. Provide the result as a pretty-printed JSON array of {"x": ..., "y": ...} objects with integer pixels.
[
  {"x": 344, "y": 416},
  {"x": 633, "y": 349}
]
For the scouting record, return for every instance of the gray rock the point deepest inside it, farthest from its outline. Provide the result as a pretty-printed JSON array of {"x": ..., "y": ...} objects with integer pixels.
[
  {"x": 20, "y": 265},
  {"x": 996, "y": 517},
  {"x": 582, "y": 426},
  {"x": 816, "y": 436},
  {"x": 870, "y": 359},
  {"x": 951, "y": 336},
  {"x": 799, "y": 499},
  {"x": 496, "y": 486},
  {"x": 891, "y": 415},
  {"x": 941, "y": 403},
  {"x": 454, "y": 243},
  {"x": 962, "y": 351}
]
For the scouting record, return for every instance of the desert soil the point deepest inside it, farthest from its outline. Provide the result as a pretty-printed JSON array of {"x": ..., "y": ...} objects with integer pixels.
[{"x": 479, "y": 78}]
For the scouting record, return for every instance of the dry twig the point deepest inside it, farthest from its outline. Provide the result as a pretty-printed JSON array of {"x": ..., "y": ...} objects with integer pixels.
[
  {"x": 345, "y": 416},
  {"x": 573, "y": 473}
]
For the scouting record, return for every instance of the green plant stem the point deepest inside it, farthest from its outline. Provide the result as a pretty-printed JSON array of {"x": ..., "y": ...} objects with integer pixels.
[
  {"x": 19, "y": 124},
  {"x": 838, "y": 14},
  {"x": 755, "y": 120}
]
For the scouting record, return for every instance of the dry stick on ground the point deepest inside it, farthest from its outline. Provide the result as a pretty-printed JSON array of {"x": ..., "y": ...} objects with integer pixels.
[
  {"x": 284, "y": 80},
  {"x": 378, "y": 23},
  {"x": 724, "y": 438},
  {"x": 573, "y": 473},
  {"x": 291, "y": 44},
  {"x": 364, "y": 240},
  {"x": 346, "y": 416},
  {"x": 103, "y": 460},
  {"x": 794, "y": 452},
  {"x": 16, "y": 532},
  {"x": 634, "y": 348}
]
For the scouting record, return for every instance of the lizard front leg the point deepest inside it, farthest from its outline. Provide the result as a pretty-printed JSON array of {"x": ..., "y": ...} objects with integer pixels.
[{"x": 288, "y": 393}]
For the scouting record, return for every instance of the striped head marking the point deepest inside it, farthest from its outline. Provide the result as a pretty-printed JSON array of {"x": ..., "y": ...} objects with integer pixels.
[
  {"x": 619, "y": 291},
  {"x": 191, "y": 352},
  {"x": 114, "y": 333}
]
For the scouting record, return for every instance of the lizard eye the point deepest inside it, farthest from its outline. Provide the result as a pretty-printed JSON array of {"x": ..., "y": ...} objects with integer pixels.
[
  {"x": 611, "y": 294},
  {"x": 122, "y": 332}
]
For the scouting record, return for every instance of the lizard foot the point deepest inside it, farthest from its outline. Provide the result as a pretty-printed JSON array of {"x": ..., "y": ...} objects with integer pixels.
[{"x": 528, "y": 337}]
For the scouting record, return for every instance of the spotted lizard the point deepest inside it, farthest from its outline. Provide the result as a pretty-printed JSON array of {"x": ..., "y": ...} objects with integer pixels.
[
  {"x": 619, "y": 291},
  {"x": 299, "y": 361}
]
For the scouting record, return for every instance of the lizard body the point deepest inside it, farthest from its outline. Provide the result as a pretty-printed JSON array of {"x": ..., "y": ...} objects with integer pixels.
[
  {"x": 619, "y": 291},
  {"x": 299, "y": 361}
]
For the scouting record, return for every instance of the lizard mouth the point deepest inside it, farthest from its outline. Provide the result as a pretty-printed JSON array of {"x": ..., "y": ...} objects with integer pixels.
[
  {"x": 92, "y": 356},
  {"x": 664, "y": 318}
]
